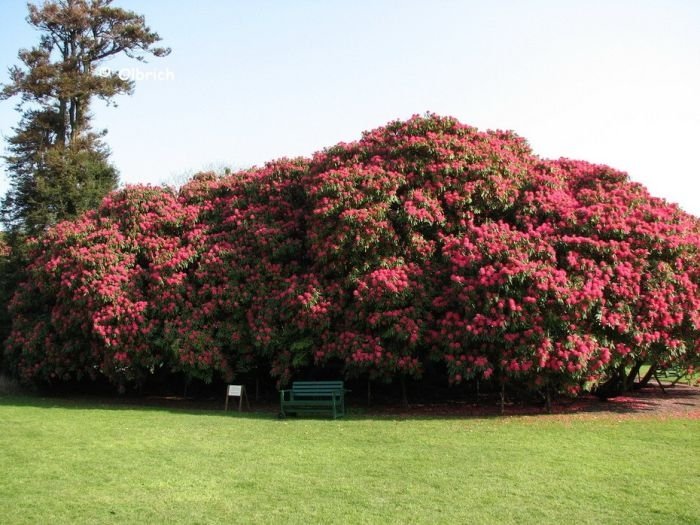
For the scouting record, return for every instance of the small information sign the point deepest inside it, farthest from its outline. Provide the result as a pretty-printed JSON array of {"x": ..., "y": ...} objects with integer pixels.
[{"x": 239, "y": 392}]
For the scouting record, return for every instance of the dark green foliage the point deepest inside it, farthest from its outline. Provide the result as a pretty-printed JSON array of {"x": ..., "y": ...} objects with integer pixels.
[{"x": 54, "y": 183}]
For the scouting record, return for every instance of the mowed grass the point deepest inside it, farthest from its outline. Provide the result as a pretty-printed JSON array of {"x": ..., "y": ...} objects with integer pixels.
[{"x": 73, "y": 462}]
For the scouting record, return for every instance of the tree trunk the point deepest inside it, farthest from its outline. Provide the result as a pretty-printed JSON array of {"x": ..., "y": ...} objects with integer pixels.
[
  {"x": 648, "y": 376},
  {"x": 629, "y": 378},
  {"x": 61, "y": 132},
  {"x": 71, "y": 121},
  {"x": 78, "y": 118},
  {"x": 369, "y": 391},
  {"x": 404, "y": 393},
  {"x": 613, "y": 386},
  {"x": 503, "y": 398}
]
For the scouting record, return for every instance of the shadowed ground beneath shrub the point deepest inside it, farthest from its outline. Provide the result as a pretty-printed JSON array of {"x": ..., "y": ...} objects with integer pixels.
[{"x": 673, "y": 400}]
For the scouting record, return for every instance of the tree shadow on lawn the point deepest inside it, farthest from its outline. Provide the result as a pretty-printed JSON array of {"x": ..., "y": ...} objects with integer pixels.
[
  {"x": 678, "y": 400},
  {"x": 170, "y": 404}
]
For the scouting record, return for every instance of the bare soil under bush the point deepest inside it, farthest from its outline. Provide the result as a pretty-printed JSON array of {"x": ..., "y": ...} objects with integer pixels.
[{"x": 677, "y": 400}]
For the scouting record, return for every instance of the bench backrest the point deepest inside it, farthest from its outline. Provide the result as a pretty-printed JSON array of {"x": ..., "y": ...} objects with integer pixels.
[{"x": 311, "y": 388}]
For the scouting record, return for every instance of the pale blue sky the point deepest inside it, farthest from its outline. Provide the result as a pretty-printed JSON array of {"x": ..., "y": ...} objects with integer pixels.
[{"x": 615, "y": 82}]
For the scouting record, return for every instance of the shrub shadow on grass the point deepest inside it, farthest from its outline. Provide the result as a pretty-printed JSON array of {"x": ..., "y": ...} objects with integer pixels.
[
  {"x": 677, "y": 400},
  {"x": 175, "y": 405}
]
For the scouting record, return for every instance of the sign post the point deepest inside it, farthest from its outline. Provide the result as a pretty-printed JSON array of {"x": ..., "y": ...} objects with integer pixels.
[{"x": 239, "y": 392}]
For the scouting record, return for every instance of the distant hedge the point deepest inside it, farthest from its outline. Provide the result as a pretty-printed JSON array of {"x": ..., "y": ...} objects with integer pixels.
[{"x": 425, "y": 241}]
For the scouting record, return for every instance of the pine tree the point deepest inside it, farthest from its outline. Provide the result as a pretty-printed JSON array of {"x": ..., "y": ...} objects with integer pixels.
[{"x": 57, "y": 165}]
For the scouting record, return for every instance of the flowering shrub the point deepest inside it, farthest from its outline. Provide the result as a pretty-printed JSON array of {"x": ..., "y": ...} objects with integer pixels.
[
  {"x": 100, "y": 287},
  {"x": 424, "y": 241}
]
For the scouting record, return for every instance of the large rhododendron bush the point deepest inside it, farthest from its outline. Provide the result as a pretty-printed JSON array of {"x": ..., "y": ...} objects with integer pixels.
[{"x": 426, "y": 244}]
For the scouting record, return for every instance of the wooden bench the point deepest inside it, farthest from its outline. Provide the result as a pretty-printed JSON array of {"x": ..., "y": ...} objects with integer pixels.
[{"x": 313, "y": 397}]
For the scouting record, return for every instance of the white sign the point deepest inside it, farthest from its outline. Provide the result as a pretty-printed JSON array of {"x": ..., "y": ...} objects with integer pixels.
[{"x": 239, "y": 392}]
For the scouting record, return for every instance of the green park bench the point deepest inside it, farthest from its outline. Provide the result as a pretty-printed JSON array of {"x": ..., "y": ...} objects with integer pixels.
[{"x": 313, "y": 397}]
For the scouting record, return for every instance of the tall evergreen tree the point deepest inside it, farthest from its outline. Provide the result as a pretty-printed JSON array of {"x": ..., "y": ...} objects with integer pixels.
[{"x": 57, "y": 165}]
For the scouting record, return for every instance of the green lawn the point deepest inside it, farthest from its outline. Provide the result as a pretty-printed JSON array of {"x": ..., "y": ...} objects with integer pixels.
[{"x": 70, "y": 462}]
